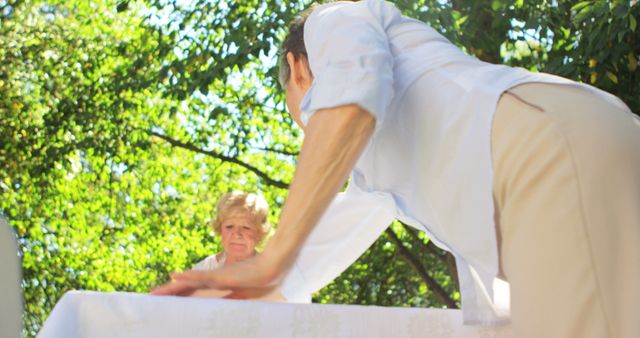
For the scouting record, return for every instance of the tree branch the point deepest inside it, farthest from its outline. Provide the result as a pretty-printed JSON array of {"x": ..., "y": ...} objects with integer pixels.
[
  {"x": 444, "y": 256},
  {"x": 453, "y": 269},
  {"x": 278, "y": 151},
  {"x": 191, "y": 147},
  {"x": 429, "y": 246},
  {"x": 438, "y": 291}
]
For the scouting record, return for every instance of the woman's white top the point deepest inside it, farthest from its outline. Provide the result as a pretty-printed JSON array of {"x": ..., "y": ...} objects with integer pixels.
[
  {"x": 210, "y": 263},
  {"x": 428, "y": 163}
]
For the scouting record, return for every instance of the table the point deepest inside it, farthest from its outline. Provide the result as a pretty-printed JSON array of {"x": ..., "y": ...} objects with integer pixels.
[{"x": 117, "y": 314}]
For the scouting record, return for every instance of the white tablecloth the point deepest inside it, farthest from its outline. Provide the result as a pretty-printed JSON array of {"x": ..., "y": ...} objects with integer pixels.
[{"x": 94, "y": 314}]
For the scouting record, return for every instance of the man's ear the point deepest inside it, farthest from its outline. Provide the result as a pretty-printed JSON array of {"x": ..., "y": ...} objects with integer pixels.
[{"x": 300, "y": 72}]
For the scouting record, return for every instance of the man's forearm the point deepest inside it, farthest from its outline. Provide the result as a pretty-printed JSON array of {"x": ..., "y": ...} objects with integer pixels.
[{"x": 334, "y": 139}]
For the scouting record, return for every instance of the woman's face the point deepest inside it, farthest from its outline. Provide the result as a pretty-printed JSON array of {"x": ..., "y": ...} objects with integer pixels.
[{"x": 239, "y": 237}]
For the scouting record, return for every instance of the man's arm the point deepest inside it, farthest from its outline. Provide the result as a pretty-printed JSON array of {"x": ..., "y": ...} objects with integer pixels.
[{"x": 334, "y": 140}]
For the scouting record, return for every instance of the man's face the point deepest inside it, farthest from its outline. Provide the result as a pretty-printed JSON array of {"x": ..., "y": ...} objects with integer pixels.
[
  {"x": 294, "y": 98},
  {"x": 299, "y": 82}
]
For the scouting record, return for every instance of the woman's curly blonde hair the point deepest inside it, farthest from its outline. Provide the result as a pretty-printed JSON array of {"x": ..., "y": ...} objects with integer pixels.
[{"x": 241, "y": 203}]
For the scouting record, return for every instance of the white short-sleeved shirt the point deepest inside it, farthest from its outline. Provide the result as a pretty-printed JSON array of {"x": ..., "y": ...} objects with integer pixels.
[{"x": 429, "y": 160}]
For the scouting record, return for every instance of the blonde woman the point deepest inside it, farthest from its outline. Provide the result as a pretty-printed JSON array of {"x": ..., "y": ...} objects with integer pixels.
[{"x": 241, "y": 222}]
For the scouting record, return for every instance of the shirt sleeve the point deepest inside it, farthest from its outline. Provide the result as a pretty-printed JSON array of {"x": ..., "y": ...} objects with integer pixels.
[
  {"x": 353, "y": 221},
  {"x": 349, "y": 56}
]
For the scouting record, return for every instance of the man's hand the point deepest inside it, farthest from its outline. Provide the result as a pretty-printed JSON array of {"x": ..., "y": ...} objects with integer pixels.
[
  {"x": 181, "y": 287},
  {"x": 257, "y": 277}
]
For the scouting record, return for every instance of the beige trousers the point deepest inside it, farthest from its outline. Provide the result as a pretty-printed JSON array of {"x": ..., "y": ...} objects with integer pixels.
[{"x": 567, "y": 191}]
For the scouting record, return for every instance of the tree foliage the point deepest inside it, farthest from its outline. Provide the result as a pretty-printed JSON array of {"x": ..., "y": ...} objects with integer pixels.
[{"x": 122, "y": 122}]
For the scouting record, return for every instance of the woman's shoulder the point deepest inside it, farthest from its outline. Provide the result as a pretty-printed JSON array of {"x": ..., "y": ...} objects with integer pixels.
[{"x": 212, "y": 262}]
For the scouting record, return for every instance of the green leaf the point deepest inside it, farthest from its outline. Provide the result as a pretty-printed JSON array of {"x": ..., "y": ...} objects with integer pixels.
[
  {"x": 580, "y": 5},
  {"x": 496, "y": 5},
  {"x": 632, "y": 64}
]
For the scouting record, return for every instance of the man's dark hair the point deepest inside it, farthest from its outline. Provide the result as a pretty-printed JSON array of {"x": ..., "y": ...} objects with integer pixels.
[{"x": 294, "y": 43}]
